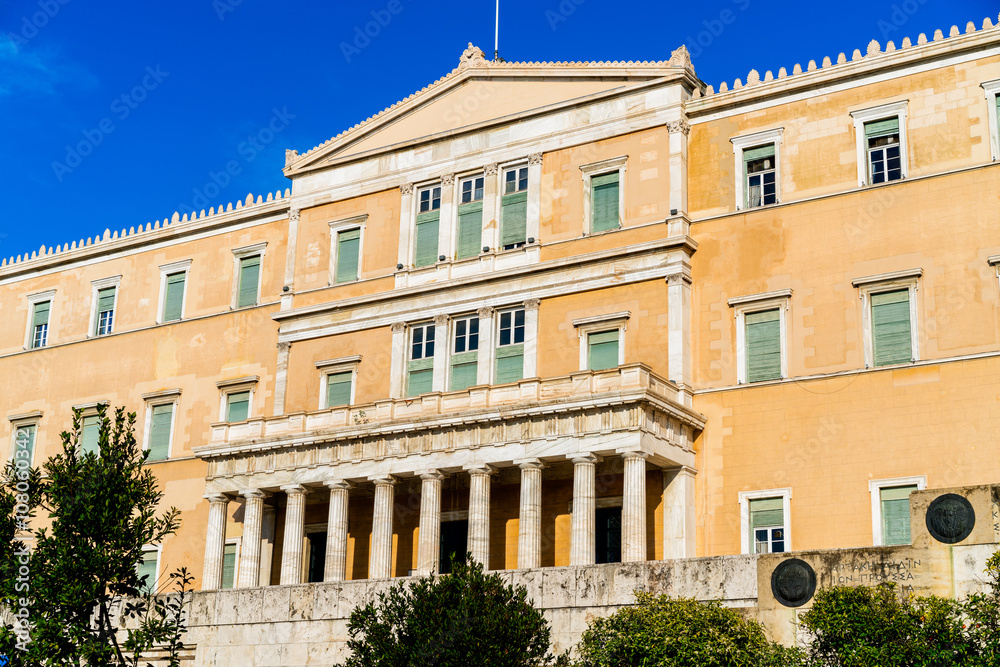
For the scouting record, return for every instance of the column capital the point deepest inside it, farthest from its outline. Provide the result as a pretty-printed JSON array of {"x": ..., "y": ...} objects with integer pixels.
[
  {"x": 678, "y": 279},
  {"x": 481, "y": 469},
  {"x": 487, "y": 312},
  {"x": 383, "y": 480},
  {"x": 634, "y": 455},
  {"x": 681, "y": 126},
  {"x": 432, "y": 473},
  {"x": 337, "y": 484},
  {"x": 214, "y": 498},
  {"x": 491, "y": 169},
  {"x": 532, "y": 304},
  {"x": 295, "y": 489},
  {"x": 535, "y": 158},
  {"x": 584, "y": 457},
  {"x": 398, "y": 327},
  {"x": 441, "y": 320},
  {"x": 529, "y": 464},
  {"x": 406, "y": 188},
  {"x": 448, "y": 179},
  {"x": 254, "y": 493}
]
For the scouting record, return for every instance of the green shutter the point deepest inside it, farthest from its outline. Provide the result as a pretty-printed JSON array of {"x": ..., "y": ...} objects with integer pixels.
[
  {"x": 229, "y": 565},
  {"x": 763, "y": 346},
  {"x": 604, "y": 202},
  {"x": 348, "y": 255},
  {"x": 891, "y": 327},
  {"x": 147, "y": 568},
  {"x": 338, "y": 389},
  {"x": 90, "y": 433},
  {"x": 41, "y": 314},
  {"x": 758, "y": 153},
  {"x": 238, "y": 406},
  {"x": 602, "y": 350},
  {"x": 880, "y": 128},
  {"x": 173, "y": 302},
  {"x": 464, "y": 370},
  {"x": 159, "y": 431},
  {"x": 425, "y": 249},
  {"x": 420, "y": 382},
  {"x": 470, "y": 229},
  {"x": 767, "y": 513},
  {"x": 24, "y": 441},
  {"x": 896, "y": 514},
  {"x": 514, "y": 219},
  {"x": 510, "y": 363},
  {"x": 249, "y": 278},
  {"x": 106, "y": 299}
]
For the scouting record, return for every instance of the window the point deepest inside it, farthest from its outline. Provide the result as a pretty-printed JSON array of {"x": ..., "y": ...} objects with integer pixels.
[
  {"x": 470, "y": 217},
  {"x": 160, "y": 429},
  {"x": 249, "y": 280},
  {"x": 603, "y": 209},
  {"x": 761, "y": 336},
  {"x": 24, "y": 442},
  {"x": 40, "y": 324},
  {"x": 764, "y": 518},
  {"x": 514, "y": 208},
  {"x": 760, "y": 169},
  {"x": 90, "y": 433},
  {"x": 425, "y": 246},
  {"x": 602, "y": 350},
  {"x": 608, "y": 534},
  {"x": 420, "y": 376},
  {"x": 881, "y": 141},
  {"x": 992, "y": 88},
  {"x": 230, "y": 560},
  {"x": 238, "y": 406},
  {"x": 510, "y": 347},
  {"x": 891, "y": 508},
  {"x": 464, "y": 353},
  {"x": 106, "y": 310},
  {"x": 348, "y": 255},
  {"x": 173, "y": 300},
  {"x": 339, "y": 388},
  {"x": 891, "y": 327},
  {"x": 147, "y": 569}
]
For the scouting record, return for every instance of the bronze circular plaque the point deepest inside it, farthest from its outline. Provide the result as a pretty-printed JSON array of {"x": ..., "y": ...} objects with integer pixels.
[
  {"x": 950, "y": 518},
  {"x": 793, "y": 582}
]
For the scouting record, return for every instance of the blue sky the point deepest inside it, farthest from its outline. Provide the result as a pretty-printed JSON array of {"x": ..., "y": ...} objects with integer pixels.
[{"x": 118, "y": 113}]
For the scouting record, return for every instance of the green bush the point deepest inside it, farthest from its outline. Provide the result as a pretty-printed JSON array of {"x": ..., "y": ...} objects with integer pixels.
[
  {"x": 456, "y": 620},
  {"x": 983, "y": 613},
  {"x": 668, "y": 632}
]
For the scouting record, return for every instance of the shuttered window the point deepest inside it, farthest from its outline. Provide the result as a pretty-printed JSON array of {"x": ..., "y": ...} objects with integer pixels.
[
  {"x": 470, "y": 217},
  {"x": 105, "y": 321},
  {"x": 425, "y": 245},
  {"x": 891, "y": 327},
  {"x": 604, "y": 202},
  {"x": 160, "y": 425},
  {"x": 767, "y": 525},
  {"x": 146, "y": 571},
  {"x": 896, "y": 514},
  {"x": 464, "y": 370},
  {"x": 348, "y": 255},
  {"x": 338, "y": 388},
  {"x": 763, "y": 346},
  {"x": 884, "y": 157},
  {"x": 881, "y": 128},
  {"x": 237, "y": 406},
  {"x": 90, "y": 433},
  {"x": 514, "y": 208},
  {"x": 602, "y": 350},
  {"x": 249, "y": 281},
  {"x": 229, "y": 557},
  {"x": 759, "y": 165},
  {"x": 173, "y": 300},
  {"x": 510, "y": 363},
  {"x": 40, "y": 324},
  {"x": 24, "y": 443},
  {"x": 420, "y": 371},
  {"x": 464, "y": 353}
]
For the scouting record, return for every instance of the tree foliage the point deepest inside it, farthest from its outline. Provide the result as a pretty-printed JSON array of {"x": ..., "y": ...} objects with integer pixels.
[
  {"x": 463, "y": 618},
  {"x": 81, "y": 584},
  {"x": 660, "y": 631}
]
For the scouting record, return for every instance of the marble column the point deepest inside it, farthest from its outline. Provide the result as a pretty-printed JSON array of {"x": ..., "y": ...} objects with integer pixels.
[
  {"x": 678, "y": 513},
  {"x": 429, "y": 539},
  {"x": 215, "y": 542},
  {"x": 487, "y": 348},
  {"x": 291, "y": 552},
  {"x": 380, "y": 561},
  {"x": 253, "y": 512},
  {"x": 479, "y": 514},
  {"x": 336, "y": 532},
  {"x": 583, "y": 537},
  {"x": 531, "y": 338},
  {"x": 634, "y": 508},
  {"x": 529, "y": 534}
]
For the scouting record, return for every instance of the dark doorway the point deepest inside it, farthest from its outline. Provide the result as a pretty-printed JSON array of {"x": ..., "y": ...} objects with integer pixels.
[
  {"x": 454, "y": 542},
  {"x": 609, "y": 535},
  {"x": 317, "y": 556}
]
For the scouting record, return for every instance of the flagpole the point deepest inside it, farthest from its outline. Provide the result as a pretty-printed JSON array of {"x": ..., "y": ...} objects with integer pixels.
[{"x": 496, "y": 35}]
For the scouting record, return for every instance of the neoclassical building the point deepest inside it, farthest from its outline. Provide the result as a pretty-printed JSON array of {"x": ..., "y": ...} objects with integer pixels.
[{"x": 555, "y": 314}]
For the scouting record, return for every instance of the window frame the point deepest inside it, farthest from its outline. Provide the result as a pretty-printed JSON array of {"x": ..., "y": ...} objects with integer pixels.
[
  {"x": 589, "y": 172},
  {"x": 468, "y": 318},
  {"x": 889, "y": 282},
  {"x": 17, "y": 422},
  {"x": 991, "y": 89},
  {"x": 896, "y": 110},
  {"x": 746, "y": 538},
  {"x": 166, "y": 271},
  {"x": 418, "y": 189},
  {"x": 96, "y": 287},
  {"x": 502, "y": 170},
  {"x": 600, "y": 324},
  {"x": 90, "y": 410},
  {"x": 34, "y": 300},
  {"x": 158, "y": 548},
  {"x": 411, "y": 330},
  {"x": 235, "y": 386},
  {"x": 757, "y": 303},
  {"x": 239, "y": 254},
  {"x": 461, "y": 179},
  {"x": 238, "y": 541},
  {"x": 358, "y": 222},
  {"x": 745, "y": 142},
  {"x": 875, "y": 487},
  {"x": 333, "y": 367},
  {"x": 153, "y": 400}
]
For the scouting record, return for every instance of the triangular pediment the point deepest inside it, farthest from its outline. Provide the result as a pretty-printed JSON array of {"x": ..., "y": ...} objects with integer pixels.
[{"x": 480, "y": 92}]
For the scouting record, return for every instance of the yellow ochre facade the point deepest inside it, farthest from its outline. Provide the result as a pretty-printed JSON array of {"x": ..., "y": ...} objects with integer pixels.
[{"x": 555, "y": 314}]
